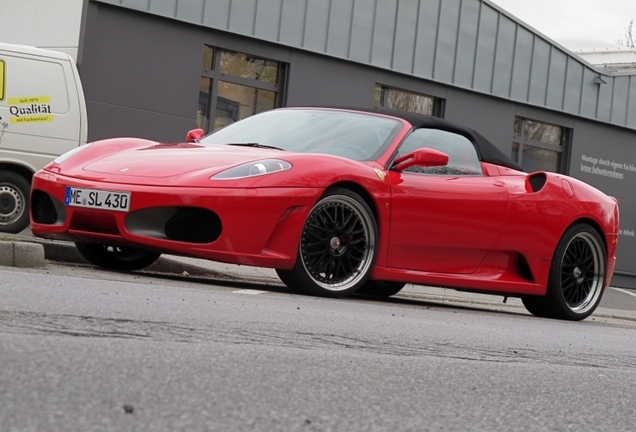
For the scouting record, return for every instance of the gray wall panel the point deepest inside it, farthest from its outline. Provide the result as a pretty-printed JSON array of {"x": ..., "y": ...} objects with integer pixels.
[
  {"x": 539, "y": 72},
  {"x": 430, "y": 39},
  {"x": 340, "y": 28},
  {"x": 556, "y": 80},
  {"x": 242, "y": 16},
  {"x": 133, "y": 4},
  {"x": 605, "y": 95},
  {"x": 316, "y": 28},
  {"x": 190, "y": 11},
  {"x": 521, "y": 70},
  {"x": 268, "y": 20},
  {"x": 486, "y": 50},
  {"x": 309, "y": 85},
  {"x": 447, "y": 41},
  {"x": 426, "y": 39},
  {"x": 620, "y": 98},
  {"x": 631, "y": 108},
  {"x": 384, "y": 33},
  {"x": 466, "y": 45},
  {"x": 133, "y": 71},
  {"x": 292, "y": 28},
  {"x": 217, "y": 15},
  {"x": 504, "y": 55},
  {"x": 589, "y": 94},
  {"x": 362, "y": 30},
  {"x": 163, "y": 7},
  {"x": 492, "y": 117},
  {"x": 403, "y": 52},
  {"x": 572, "y": 89}
]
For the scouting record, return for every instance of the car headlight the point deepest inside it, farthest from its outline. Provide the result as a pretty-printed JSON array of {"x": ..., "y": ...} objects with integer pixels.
[
  {"x": 70, "y": 153},
  {"x": 252, "y": 169}
]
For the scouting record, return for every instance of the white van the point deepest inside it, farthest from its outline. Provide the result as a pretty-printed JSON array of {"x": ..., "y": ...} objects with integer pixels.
[{"x": 42, "y": 115}]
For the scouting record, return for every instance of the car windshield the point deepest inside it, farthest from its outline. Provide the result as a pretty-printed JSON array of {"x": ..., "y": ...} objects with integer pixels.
[{"x": 356, "y": 136}]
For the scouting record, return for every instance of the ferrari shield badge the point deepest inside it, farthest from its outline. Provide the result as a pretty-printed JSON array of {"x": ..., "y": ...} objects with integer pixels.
[{"x": 380, "y": 173}]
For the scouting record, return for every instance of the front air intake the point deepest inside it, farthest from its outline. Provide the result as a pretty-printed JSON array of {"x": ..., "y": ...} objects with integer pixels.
[{"x": 194, "y": 225}]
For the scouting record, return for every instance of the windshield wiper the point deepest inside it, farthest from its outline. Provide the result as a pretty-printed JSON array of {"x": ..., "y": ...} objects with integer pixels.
[{"x": 257, "y": 145}]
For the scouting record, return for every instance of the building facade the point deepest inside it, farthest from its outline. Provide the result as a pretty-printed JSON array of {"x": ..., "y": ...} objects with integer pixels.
[{"x": 158, "y": 68}]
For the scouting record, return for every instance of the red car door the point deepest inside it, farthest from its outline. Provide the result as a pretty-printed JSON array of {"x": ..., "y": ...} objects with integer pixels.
[{"x": 444, "y": 219}]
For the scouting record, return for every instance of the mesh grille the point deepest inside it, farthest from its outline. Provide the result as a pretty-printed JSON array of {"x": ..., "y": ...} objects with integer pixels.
[
  {"x": 194, "y": 225},
  {"x": 42, "y": 208}
]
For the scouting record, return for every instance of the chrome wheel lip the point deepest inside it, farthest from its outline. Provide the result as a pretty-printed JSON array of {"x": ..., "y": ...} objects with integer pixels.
[
  {"x": 18, "y": 210},
  {"x": 337, "y": 244},
  {"x": 582, "y": 272}
]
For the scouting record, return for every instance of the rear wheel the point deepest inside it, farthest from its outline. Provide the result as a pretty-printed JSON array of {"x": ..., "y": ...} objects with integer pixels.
[
  {"x": 577, "y": 277},
  {"x": 117, "y": 258},
  {"x": 337, "y": 247},
  {"x": 14, "y": 202},
  {"x": 381, "y": 288}
]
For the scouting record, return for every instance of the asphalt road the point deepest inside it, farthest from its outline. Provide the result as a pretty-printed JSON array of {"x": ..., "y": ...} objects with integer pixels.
[{"x": 88, "y": 350}]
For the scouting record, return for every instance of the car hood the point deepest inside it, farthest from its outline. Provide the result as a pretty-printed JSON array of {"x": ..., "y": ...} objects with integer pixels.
[{"x": 163, "y": 160}]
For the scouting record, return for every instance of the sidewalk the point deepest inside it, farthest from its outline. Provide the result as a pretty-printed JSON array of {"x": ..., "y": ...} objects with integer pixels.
[{"x": 31, "y": 251}]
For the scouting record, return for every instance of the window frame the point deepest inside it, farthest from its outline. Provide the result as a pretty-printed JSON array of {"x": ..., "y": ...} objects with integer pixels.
[
  {"x": 216, "y": 76},
  {"x": 439, "y": 104},
  {"x": 563, "y": 149}
]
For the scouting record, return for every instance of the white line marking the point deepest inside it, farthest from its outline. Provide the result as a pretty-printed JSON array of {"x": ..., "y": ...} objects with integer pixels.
[
  {"x": 625, "y": 291},
  {"x": 248, "y": 291}
]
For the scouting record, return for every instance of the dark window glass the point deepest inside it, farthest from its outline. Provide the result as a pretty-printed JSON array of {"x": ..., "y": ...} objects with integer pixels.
[
  {"x": 539, "y": 146},
  {"x": 235, "y": 86},
  {"x": 407, "y": 101}
]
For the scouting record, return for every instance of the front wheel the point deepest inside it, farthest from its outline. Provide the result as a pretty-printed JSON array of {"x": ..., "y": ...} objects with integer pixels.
[
  {"x": 116, "y": 258},
  {"x": 337, "y": 247},
  {"x": 14, "y": 202},
  {"x": 577, "y": 277}
]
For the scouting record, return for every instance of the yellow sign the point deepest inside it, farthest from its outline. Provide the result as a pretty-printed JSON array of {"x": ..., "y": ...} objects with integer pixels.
[
  {"x": 32, "y": 119},
  {"x": 30, "y": 100},
  {"x": 2, "y": 80}
]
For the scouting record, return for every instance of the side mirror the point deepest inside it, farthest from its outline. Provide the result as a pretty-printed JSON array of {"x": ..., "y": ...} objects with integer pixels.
[
  {"x": 424, "y": 157},
  {"x": 194, "y": 135}
]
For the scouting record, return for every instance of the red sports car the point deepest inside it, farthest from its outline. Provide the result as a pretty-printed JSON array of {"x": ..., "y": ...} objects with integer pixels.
[{"x": 339, "y": 201}]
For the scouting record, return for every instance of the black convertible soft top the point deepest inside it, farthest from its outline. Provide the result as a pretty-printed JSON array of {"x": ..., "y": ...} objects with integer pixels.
[{"x": 486, "y": 150}]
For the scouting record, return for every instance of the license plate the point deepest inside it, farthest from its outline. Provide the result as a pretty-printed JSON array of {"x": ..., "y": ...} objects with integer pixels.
[{"x": 97, "y": 199}]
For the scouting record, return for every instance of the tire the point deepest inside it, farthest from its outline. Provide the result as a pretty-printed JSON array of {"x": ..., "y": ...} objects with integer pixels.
[
  {"x": 116, "y": 258},
  {"x": 381, "y": 288},
  {"x": 577, "y": 277},
  {"x": 337, "y": 247},
  {"x": 14, "y": 202}
]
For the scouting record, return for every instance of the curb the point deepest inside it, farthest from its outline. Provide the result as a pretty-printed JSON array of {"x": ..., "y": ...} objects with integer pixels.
[{"x": 21, "y": 254}]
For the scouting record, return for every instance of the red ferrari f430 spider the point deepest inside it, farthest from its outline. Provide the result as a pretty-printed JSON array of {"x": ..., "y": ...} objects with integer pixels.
[{"x": 339, "y": 201}]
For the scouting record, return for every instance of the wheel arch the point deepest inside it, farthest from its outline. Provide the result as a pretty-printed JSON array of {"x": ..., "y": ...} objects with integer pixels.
[
  {"x": 594, "y": 224},
  {"x": 364, "y": 194},
  {"x": 21, "y": 170}
]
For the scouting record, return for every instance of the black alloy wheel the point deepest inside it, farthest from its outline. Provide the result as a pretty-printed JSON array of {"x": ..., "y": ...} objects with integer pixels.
[
  {"x": 577, "y": 277},
  {"x": 115, "y": 257},
  {"x": 337, "y": 247}
]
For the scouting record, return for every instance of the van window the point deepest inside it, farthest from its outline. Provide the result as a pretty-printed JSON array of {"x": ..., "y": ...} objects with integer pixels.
[{"x": 2, "y": 80}]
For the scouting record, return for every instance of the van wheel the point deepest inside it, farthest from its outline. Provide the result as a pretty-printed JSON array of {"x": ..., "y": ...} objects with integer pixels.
[{"x": 14, "y": 202}]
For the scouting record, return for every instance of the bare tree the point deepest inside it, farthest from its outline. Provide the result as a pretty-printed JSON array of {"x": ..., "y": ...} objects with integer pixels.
[{"x": 630, "y": 36}]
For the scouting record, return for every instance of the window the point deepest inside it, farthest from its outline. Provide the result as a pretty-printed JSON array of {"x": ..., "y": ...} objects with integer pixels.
[
  {"x": 235, "y": 86},
  {"x": 403, "y": 100},
  {"x": 462, "y": 156},
  {"x": 540, "y": 146}
]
